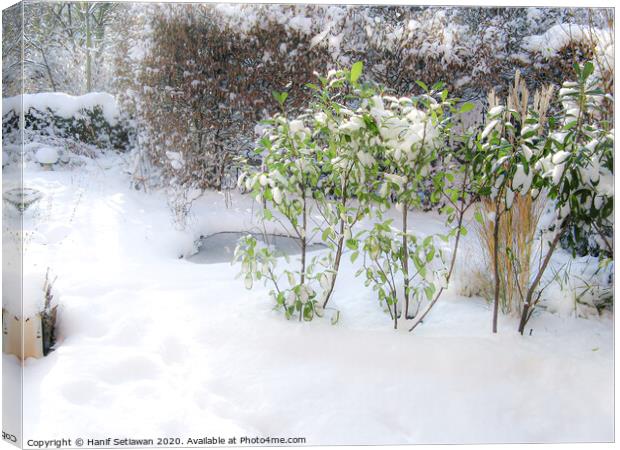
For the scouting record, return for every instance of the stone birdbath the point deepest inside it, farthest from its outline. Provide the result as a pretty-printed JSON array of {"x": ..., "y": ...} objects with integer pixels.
[
  {"x": 47, "y": 157},
  {"x": 22, "y": 198}
]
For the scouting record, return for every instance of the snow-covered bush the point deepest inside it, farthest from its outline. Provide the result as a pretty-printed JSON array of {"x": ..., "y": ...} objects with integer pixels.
[
  {"x": 509, "y": 149},
  {"x": 472, "y": 49},
  {"x": 576, "y": 171},
  {"x": 380, "y": 154},
  {"x": 65, "y": 45},
  {"x": 411, "y": 129},
  {"x": 287, "y": 184},
  {"x": 387, "y": 253},
  {"x": 579, "y": 163},
  {"x": 91, "y": 119},
  {"x": 528, "y": 152},
  {"x": 583, "y": 287},
  {"x": 414, "y": 133},
  {"x": 349, "y": 152},
  {"x": 69, "y": 47},
  {"x": 353, "y": 153}
]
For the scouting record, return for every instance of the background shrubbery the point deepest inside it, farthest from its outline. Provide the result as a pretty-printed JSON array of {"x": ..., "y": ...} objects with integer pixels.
[
  {"x": 204, "y": 86},
  {"x": 207, "y": 72},
  {"x": 194, "y": 80}
]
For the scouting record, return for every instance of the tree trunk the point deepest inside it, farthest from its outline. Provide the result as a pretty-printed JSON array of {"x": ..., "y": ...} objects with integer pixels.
[
  {"x": 461, "y": 215},
  {"x": 525, "y": 315},
  {"x": 395, "y": 311},
  {"x": 450, "y": 270},
  {"x": 339, "y": 249},
  {"x": 48, "y": 70},
  {"x": 303, "y": 251},
  {"x": 405, "y": 261},
  {"x": 336, "y": 263},
  {"x": 496, "y": 266},
  {"x": 89, "y": 74}
]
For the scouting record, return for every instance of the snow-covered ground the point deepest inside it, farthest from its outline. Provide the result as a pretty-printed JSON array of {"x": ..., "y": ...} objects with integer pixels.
[{"x": 152, "y": 345}]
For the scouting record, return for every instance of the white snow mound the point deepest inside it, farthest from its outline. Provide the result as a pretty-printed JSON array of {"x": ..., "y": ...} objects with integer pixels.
[
  {"x": 47, "y": 155},
  {"x": 63, "y": 105}
]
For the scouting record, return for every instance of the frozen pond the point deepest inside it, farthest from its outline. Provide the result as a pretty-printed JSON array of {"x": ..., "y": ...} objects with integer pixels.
[{"x": 220, "y": 247}]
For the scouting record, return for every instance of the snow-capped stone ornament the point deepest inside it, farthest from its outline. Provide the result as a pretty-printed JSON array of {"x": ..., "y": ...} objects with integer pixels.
[{"x": 47, "y": 157}]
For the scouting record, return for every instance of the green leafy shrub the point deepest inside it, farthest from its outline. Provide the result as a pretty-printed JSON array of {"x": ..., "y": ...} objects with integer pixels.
[
  {"x": 384, "y": 254},
  {"x": 352, "y": 154},
  {"x": 567, "y": 158},
  {"x": 575, "y": 169},
  {"x": 286, "y": 185}
]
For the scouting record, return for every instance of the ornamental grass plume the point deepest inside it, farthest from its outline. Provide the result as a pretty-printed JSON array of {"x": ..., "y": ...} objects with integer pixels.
[{"x": 518, "y": 228}]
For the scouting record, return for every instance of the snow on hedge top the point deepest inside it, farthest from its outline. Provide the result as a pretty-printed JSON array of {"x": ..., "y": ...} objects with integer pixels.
[
  {"x": 245, "y": 17},
  {"x": 64, "y": 105},
  {"x": 554, "y": 39},
  {"x": 561, "y": 35}
]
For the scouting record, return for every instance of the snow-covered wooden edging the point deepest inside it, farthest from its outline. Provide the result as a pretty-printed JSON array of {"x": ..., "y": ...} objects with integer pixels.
[{"x": 22, "y": 337}]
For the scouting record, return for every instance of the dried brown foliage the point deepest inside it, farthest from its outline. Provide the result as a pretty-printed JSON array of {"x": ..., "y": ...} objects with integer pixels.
[
  {"x": 205, "y": 86},
  {"x": 517, "y": 234}
]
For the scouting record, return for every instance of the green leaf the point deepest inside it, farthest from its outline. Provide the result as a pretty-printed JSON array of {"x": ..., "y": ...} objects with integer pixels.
[
  {"x": 354, "y": 256},
  {"x": 356, "y": 71},
  {"x": 466, "y": 107},
  {"x": 291, "y": 278},
  {"x": 478, "y": 217},
  {"x": 417, "y": 263},
  {"x": 588, "y": 69},
  {"x": 430, "y": 255},
  {"x": 308, "y": 312},
  {"x": 429, "y": 292},
  {"x": 352, "y": 244},
  {"x": 570, "y": 125},
  {"x": 325, "y": 234},
  {"x": 529, "y": 134},
  {"x": 422, "y": 85},
  {"x": 268, "y": 194},
  {"x": 280, "y": 97}
]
